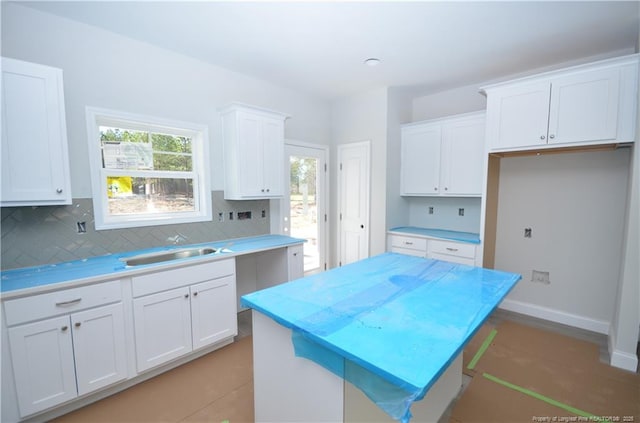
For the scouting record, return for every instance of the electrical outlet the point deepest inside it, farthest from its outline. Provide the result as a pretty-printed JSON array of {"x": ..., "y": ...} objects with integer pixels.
[
  {"x": 527, "y": 232},
  {"x": 460, "y": 212},
  {"x": 220, "y": 217},
  {"x": 430, "y": 210},
  {"x": 540, "y": 277},
  {"x": 231, "y": 215},
  {"x": 82, "y": 227}
]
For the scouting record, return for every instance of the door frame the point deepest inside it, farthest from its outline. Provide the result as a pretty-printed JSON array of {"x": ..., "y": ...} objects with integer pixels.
[
  {"x": 323, "y": 192},
  {"x": 367, "y": 219}
]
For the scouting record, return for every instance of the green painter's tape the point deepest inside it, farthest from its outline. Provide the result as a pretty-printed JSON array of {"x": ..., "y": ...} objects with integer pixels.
[
  {"x": 482, "y": 349},
  {"x": 541, "y": 397}
]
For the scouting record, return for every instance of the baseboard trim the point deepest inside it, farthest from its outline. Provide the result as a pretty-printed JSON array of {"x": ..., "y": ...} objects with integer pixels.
[
  {"x": 557, "y": 316},
  {"x": 621, "y": 359}
]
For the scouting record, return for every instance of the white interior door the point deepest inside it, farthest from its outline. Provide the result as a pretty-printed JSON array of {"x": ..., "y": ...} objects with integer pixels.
[
  {"x": 353, "y": 196},
  {"x": 305, "y": 204}
]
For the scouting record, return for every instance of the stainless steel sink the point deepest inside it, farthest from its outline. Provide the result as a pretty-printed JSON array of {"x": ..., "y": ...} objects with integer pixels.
[{"x": 167, "y": 256}]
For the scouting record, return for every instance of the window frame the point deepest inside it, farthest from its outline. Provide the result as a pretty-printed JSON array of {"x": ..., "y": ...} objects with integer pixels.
[{"x": 199, "y": 135}]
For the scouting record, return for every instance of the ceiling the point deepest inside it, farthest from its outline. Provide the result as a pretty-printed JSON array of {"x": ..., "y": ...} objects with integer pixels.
[{"x": 319, "y": 47}]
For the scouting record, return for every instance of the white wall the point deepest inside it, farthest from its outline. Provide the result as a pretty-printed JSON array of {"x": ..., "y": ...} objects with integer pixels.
[
  {"x": 450, "y": 102},
  {"x": 575, "y": 205},
  {"x": 107, "y": 70},
  {"x": 360, "y": 118},
  {"x": 399, "y": 112},
  {"x": 624, "y": 333}
]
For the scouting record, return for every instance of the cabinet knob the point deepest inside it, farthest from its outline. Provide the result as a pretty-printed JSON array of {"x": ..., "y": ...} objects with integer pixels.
[
  {"x": 195, "y": 294},
  {"x": 59, "y": 190},
  {"x": 78, "y": 324},
  {"x": 552, "y": 136},
  {"x": 186, "y": 295},
  {"x": 262, "y": 190},
  {"x": 446, "y": 188},
  {"x": 267, "y": 189},
  {"x": 435, "y": 188},
  {"x": 64, "y": 328},
  {"x": 542, "y": 137}
]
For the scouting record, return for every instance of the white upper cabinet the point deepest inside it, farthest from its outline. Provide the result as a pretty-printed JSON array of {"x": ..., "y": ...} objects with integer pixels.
[
  {"x": 253, "y": 152},
  {"x": 583, "y": 105},
  {"x": 443, "y": 156},
  {"x": 35, "y": 163}
]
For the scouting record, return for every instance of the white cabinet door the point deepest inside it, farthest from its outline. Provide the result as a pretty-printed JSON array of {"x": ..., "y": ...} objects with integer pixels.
[
  {"x": 99, "y": 347},
  {"x": 420, "y": 160},
  {"x": 250, "y": 149},
  {"x": 462, "y": 154},
  {"x": 295, "y": 263},
  {"x": 584, "y": 107},
  {"x": 42, "y": 355},
  {"x": 162, "y": 326},
  {"x": 521, "y": 116},
  {"x": 213, "y": 311},
  {"x": 273, "y": 157},
  {"x": 254, "y": 152},
  {"x": 35, "y": 163}
]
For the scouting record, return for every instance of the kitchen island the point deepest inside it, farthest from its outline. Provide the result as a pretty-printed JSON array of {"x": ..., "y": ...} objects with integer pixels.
[{"x": 393, "y": 326}]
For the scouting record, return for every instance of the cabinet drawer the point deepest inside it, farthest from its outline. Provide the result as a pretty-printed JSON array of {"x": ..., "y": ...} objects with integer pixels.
[
  {"x": 450, "y": 248},
  {"x": 407, "y": 242},
  {"x": 174, "y": 278},
  {"x": 42, "y": 306}
]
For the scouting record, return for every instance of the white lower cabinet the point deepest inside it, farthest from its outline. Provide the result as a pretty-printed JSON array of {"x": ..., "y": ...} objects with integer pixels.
[
  {"x": 173, "y": 323},
  {"x": 420, "y": 246},
  {"x": 58, "y": 359},
  {"x": 213, "y": 311},
  {"x": 457, "y": 252},
  {"x": 162, "y": 327},
  {"x": 412, "y": 246}
]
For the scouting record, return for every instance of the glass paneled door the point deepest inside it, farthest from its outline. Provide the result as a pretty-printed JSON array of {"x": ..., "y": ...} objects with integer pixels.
[{"x": 304, "y": 209}]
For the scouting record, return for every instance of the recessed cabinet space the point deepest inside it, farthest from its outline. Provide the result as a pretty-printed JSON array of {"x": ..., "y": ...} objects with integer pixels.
[
  {"x": 66, "y": 344},
  {"x": 253, "y": 152},
  {"x": 181, "y": 310},
  {"x": 443, "y": 157},
  {"x": 588, "y": 104},
  {"x": 35, "y": 162}
]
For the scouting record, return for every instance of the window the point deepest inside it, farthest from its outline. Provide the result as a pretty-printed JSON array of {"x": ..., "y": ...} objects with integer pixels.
[{"x": 147, "y": 171}]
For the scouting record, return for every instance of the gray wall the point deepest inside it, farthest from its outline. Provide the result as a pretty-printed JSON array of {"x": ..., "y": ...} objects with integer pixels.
[
  {"x": 575, "y": 205},
  {"x": 103, "y": 69},
  {"x": 34, "y": 236}
]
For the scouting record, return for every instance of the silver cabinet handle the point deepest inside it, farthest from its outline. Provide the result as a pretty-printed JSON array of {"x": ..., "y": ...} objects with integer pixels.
[
  {"x": 195, "y": 294},
  {"x": 78, "y": 324},
  {"x": 64, "y": 328},
  {"x": 267, "y": 189},
  {"x": 186, "y": 295},
  {"x": 552, "y": 136},
  {"x": 446, "y": 188},
  {"x": 435, "y": 188},
  {"x": 542, "y": 137},
  {"x": 59, "y": 190},
  {"x": 451, "y": 249},
  {"x": 408, "y": 243},
  {"x": 68, "y": 303}
]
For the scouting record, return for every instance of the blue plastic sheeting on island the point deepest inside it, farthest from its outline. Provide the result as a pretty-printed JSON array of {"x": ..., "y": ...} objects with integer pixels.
[
  {"x": 469, "y": 237},
  {"x": 113, "y": 264},
  {"x": 390, "y": 324}
]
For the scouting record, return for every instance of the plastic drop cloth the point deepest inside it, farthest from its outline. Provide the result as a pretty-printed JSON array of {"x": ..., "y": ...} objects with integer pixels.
[{"x": 390, "y": 324}]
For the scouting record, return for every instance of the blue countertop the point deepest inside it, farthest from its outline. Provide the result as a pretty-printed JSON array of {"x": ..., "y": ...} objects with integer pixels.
[
  {"x": 469, "y": 237},
  {"x": 113, "y": 265},
  {"x": 401, "y": 318}
]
